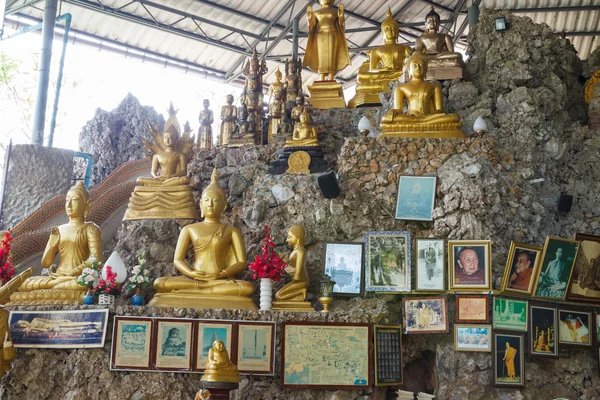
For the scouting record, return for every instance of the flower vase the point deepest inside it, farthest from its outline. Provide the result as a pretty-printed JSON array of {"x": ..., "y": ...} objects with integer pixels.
[
  {"x": 106, "y": 299},
  {"x": 266, "y": 293},
  {"x": 137, "y": 299},
  {"x": 89, "y": 299}
]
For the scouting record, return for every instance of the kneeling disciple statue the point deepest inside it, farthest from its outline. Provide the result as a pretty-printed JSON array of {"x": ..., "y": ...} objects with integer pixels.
[
  {"x": 219, "y": 254},
  {"x": 425, "y": 117},
  {"x": 219, "y": 367}
]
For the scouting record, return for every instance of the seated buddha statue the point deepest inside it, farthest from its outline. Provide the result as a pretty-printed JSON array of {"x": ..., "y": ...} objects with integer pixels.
[
  {"x": 167, "y": 194},
  {"x": 292, "y": 296},
  {"x": 385, "y": 64},
  {"x": 219, "y": 368},
  {"x": 77, "y": 244},
  {"x": 298, "y": 109},
  {"x": 219, "y": 254},
  {"x": 425, "y": 116},
  {"x": 304, "y": 134}
]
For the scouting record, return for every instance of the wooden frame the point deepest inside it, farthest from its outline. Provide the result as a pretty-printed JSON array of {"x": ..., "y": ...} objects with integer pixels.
[
  {"x": 388, "y": 355},
  {"x": 481, "y": 279},
  {"x": 302, "y": 340},
  {"x": 589, "y": 251},
  {"x": 472, "y": 309},
  {"x": 422, "y": 264},
  {"x": 481, "y": 340},
  {"x": 332, "y": 265},
  {"x": 524, "y": 283},
  {"x": 550, "y": 273},
  {"x": 420, "y": 313},
  {"x": 218, "y": 330},
  {"x": 507, "y": 314},
  {"x": 539, "y": 330},
  {"x": 132, "y": 345},
  {"x": 384, "y": 273},
  {"x": 170, "y": 354},
  {"x": 255, "y": 347},
  {"x": 576, "y": 330},
  {"x": 517, "y": 342},
  {"x": 413, "y": 202}
]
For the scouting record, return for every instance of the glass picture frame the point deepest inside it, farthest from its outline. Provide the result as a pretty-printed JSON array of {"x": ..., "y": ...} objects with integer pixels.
[
  {"x": 255, "y": 347},
  {"x": 344, "y": 263},
  {"x": 510, "y": 314},
  {"x": 388, "y": 261},
  {"x": 425, "y": 315},
  {"x": 430, "y": 273},
  {"x": 131, "y": 348},
  {"x": 558, "y": 261},
  {"x": 473, "y": 337},
  {"x": 575, "y": 327},
  {"x": 173, "y": 340},
  {"x": 585, "y": 283},
  {"x": 522, "y": 266},
  {"x": 472, "y": 309},
  {"x": 416, "y": 198},
  {"x": 388, "y": 355},
  {"x": 543, "y": 330},
  {"x": 508, "y": 351},
  {"x": 206, "y": 333},
  {"x": 470, "y": 265}
]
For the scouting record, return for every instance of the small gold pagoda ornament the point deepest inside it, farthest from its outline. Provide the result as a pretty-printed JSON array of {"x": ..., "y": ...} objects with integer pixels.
[{"x": 298, "y": 163}]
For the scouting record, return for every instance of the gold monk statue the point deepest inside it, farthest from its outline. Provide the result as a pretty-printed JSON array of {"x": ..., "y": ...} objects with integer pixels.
[
  {"x": 219, "y": 254},
  {"x": 304, "y": 133},
  {"x": 298, "y": 109},
  {"x": 385, "y": 64},
  {"x": 219, "y": 367},
  {"x": 78, "y": 243},
  {"x": 206, "y": 119},
  {"x": 292, "y": 296},
  {"x": 425, "y": 117},
  {"x": 228, "y": 117}
]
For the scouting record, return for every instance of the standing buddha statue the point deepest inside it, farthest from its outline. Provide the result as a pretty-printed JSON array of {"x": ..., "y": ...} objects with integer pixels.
[
  {"x": 276, "y": 115},
  {"x": 206, "y": 119},
  {"x": 293, "y": 81},
  {"x": 228, "y": 118},
  {"x": 277, "y": 87}
]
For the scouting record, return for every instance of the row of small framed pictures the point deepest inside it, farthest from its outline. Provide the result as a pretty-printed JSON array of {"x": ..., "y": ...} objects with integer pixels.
[{"x": 182, "y": 345}]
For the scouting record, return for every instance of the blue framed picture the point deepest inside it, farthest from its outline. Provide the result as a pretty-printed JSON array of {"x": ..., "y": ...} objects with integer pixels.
[
  {"x": 416, "y": 197},
  {"x": 388, "y": 261}
]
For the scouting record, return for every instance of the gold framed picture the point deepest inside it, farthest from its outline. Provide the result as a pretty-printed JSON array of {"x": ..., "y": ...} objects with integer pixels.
[
  {"x": 522, "y": 267},
  {"x": 472, "y": 309},
  {"x": 173, "y": 344},
  {"x": 585, "y": 284},
  {"x": 469, "y": 265},
  {"x": 468, "y": 337}
]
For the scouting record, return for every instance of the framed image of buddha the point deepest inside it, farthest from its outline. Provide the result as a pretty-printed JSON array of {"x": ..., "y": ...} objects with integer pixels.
[
  {"x": 558, "y": 261},
  {"x": 575, "y": 328},
  {"x": 509, "y": 360},
  {"x": 416, "y": 198},
  {"x": 132, "y": 344},
  {"x": 522, "y": 267},
  {"x": 469, "y": 265},
  {"x": 388, "y": 261},
  {"x": 344, "y": 264},
  {"x": 173, "y": 344},
  {"x": 585, "y": 284},
  {"x": 543, "y": 330}
]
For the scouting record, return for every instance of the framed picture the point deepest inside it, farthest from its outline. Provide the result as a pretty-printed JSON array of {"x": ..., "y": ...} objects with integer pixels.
[
  {"x": 326, "y": 356},
  {"x": 472, "y": 309},
  {"x": 60, "y": 329},
  {"x": 132, "y": 344},
  {"x": 416, "y": 197},
  {"x": 509, "y": 360},
  {"x": 344, "y": 264},
  {"x": 469, "y": 265},
  {"x": 425, "y": 315},
  {"x": 542, "y": 331},
  {"x": 558, "y": 260},
  {"x": 597, "y": 329},
  {"x": 521, "y": 269},
  {"x": 387, "y": 262},
  {"x": 256, "y": 347},
  {"x": 585, "y": 284},
  {"x": 388, "y": 355},
  {"x": 430, "y": 265},
  {"x": 173, "y": 344},
  {"x": 575, "y": 328},
  {"x": 472, "y": 337},
  {"x": 510, "y": 314},
  {"x": 206, "y": 333}
]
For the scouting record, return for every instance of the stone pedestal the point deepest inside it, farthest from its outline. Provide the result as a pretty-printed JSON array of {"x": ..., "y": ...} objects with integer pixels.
[{"x": 317, "y": 165}]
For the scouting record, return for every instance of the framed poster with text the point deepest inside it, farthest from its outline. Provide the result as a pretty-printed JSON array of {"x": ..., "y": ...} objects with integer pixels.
[{"x": 132, "y": 344}]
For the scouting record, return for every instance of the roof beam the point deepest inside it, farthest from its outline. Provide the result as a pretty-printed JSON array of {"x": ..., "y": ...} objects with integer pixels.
[
  {"x": 11, "y": 9},
  {"x": 553, "y": 9},
  {"x": 437, "y": 5}
]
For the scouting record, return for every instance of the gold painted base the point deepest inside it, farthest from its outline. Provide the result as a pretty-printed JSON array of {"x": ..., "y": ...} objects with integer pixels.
[
  {"x": 326, "y": 94},
  {"x": 221, "y": 376},
  {"x": 365, "y": 99},
  {"x": 297, "y": 306},
  {"x": 191, "y": 299},
  {"x": 161, "y": 202},
  {"x": 239, "y": 142},
  {"x": 47, "y": 297},
  {"x": 444, "y": 73},
  {"x": 427, "y": 132}
]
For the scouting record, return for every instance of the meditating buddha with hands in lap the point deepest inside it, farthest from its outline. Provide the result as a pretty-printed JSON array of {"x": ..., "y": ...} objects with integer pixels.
[
  {"x": 219, "y": 367},
  {"x": 304, "y": 133}
]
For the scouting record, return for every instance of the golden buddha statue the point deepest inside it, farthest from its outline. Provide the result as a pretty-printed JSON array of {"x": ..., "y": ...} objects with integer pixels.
[
  {"x": 292, "y": 296},
  {"x": 326, "y": 53},
  {"x": 385, "y": 64},
  {"x": 425, "y": 117},
  {"x": 444, "y": 63},
  {"x": 276, "y": 114},
  {"x": 219, "y": 368},
  {"x": 298, "y": 109},
  {"x": 219, "y": 254},
  {"x": 77, "y": 243},
  {"x": 304, "y": 133},
  {"x": 206, "y": 120},
  {"x": 228, "y": 118},
  {"x": 277, "y": 87},
  {"x": 167, "y": 194}
]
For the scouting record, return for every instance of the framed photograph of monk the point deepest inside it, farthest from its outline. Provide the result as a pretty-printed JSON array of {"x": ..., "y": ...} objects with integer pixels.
[
  {"x": 472, "y": 309},
  {"x": 558, "y": 260},
  {"x": 575, "y": 328},
  {"x": 425, "y": 315},
  {"x": 388, "y": 261},
  {"x": 430, "y": 265},
  {"x": 469, "y": 265},
  {"x": 509, "y": 360},
  {"x": 543, "y": 330},
  {"x": 521, "y": 269},
  {"x": 472, "y": 337},
  {"x": 585, "y": 284}
]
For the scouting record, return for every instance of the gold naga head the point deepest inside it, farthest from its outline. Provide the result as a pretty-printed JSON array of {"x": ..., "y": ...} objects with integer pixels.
[
  {"x": 417, "y": 64},
  {"x": 278, "y": 75},
  {"x": 296, "y": 235},
  {"x": 214, "y": 200},
  {"x": 389, "y": 27},
  {"x": 77, "y": 201}
]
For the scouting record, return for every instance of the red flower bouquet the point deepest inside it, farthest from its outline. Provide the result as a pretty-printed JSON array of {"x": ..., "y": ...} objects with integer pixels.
[
  {"x": 7, "y": 271},
  {"x": 268, "y": 264},
  {"x": 108, "y": 285}
]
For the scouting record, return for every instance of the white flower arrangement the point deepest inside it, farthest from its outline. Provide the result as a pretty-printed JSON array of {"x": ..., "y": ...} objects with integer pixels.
[
  {"x": 90, "y": 276},
  {"x": 140, "y": 276}
]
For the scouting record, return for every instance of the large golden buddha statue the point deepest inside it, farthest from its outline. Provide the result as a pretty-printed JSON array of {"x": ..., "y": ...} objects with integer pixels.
[
  {"x": 425, "y": 116},
  {"x": 304, "y": 134},
  {"x": 76, "y": 243},
  {"x": 168, "y": 193},
  {"x": 385, "y": 64},
  {"x": 219, "y": 254},
  {"x": 219, "y": 367}
]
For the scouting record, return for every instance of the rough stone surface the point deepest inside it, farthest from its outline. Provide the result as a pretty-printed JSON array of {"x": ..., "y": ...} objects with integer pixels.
[
  {"x": 593, "y": 63},
  {"x": 25, "y": 191}
]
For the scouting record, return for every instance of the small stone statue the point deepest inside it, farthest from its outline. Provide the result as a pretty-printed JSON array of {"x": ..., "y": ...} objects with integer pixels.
[
  {"x": 219, "y": 368},
  {"x": 206, "y": 119},
  {"x": 228, "y": 118}
]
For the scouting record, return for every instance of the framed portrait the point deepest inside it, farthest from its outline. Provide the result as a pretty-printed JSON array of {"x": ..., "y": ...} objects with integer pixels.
[
  {"x": 207, "y": 332},
  {"x": 430, "y": 256},
  {"x": 585, "y": 284},
  {"x": 58, "y": 329},
  {"x": 522, "y": 267},
  {"x": 472, "y": 309},
  {"x": 543, "y": 328},
  {"x": 469, "y": 265},
  {"x": 425, "y": 315},
  {"x": 388, "y": 261},
  {"x": 326, "y": 356},
  {"x": 558, "y": 260},
  {"x": 575, "y": 328},
  {"x": 132, "y": 344},
  {"x": 344, "y": 264},
  {"x": 388, "y": 355},
  {"x": 256, "y": 347},
  {"x": 173, "y": 344},
  {"x": 510, "y": 314},
  {"x": 472, "y": 337},
  {"x": 416, "y": 198},
  {"x": 509, "y": 360}
]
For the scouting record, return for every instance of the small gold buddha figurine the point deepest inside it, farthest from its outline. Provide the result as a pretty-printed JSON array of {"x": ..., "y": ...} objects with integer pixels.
[
  {"x": 298, "y": 109},
  {"x": 385, "y": 64},
  {"x": 444, "y": 63},
  {"x": 219, "y": 254},
  {"x": 206, "y": 119},
  {"x": 304, "y": 133},
  {"x": 277, "y": 87},
  {"x": 292, "y": 296},
  {"x": 77, "y": 243},
  {"x": 293, "y": 80},
  {"x": 276, "y": 114},
  {"x": 167, "y": 194},
  {"x": 219, "y": 368},
  {"x": 425, "y": 117},
  {"x": 228, "y": 118}
]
